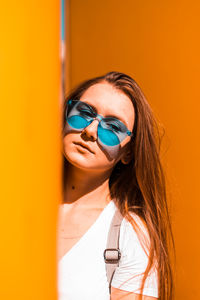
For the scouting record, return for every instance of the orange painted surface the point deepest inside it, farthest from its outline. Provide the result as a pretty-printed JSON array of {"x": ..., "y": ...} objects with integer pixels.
[
  {"x": 157, "y": 43},
  {"x": 30, "y": 148}
]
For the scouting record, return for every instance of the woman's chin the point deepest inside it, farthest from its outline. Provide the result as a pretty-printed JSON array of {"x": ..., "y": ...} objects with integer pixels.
[
  {"x": 84, "y": 163},
  {"x": 80, "y": 161}
]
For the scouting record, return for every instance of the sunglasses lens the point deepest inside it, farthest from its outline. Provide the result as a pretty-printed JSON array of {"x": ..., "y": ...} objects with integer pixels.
[
  {"x": 107, "y": 137},
  {"x": 110, "y": 132},
  {"x": 77, "y": 122}
]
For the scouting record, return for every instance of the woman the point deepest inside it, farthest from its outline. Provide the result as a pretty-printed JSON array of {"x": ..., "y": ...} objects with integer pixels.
[{"x": 111, "y": 161}]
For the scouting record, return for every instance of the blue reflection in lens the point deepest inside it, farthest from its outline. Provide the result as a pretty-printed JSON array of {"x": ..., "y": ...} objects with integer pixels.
[
  {"x": 107, "y": 137},
  {"x": 77, "y": 122}
]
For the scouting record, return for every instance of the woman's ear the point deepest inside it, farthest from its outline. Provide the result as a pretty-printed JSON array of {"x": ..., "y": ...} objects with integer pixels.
[{"x": 126, "y": 158}]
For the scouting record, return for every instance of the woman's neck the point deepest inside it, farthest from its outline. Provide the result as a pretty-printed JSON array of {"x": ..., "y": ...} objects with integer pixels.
[{"x": 85, "y": 188}]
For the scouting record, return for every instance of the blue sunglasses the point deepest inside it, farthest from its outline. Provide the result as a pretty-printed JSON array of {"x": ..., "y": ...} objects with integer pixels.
[{"x": 111, "y": 131}]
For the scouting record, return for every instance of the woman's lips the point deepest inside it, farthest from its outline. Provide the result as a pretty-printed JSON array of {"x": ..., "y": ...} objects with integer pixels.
[{"x": 84, "y": 147}]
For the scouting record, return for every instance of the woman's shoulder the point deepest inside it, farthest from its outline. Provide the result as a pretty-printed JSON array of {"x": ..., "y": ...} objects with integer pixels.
[
  {"x": 135, "y": 220},
  {"x": 134, "y": 231}
]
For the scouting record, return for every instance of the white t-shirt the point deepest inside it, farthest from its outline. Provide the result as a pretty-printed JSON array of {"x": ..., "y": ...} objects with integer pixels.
[{"x": 82, "y": 270}]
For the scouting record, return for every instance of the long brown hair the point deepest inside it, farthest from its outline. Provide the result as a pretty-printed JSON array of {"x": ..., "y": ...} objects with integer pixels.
[{"x": 139, "y": 187}]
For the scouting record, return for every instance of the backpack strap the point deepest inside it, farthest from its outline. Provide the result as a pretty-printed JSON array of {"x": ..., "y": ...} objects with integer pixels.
[{"x": 112, "y": 253}]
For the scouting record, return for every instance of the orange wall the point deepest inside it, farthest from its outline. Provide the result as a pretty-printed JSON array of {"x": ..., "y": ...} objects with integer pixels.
[{"x": 157, "y": 43}]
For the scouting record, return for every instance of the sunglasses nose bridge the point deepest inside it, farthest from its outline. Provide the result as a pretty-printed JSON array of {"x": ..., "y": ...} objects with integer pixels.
[{"x": 98, "y": 117}]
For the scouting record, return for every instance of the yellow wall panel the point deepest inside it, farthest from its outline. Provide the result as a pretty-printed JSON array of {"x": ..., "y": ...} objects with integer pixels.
[{"x": 30, "y": 148}]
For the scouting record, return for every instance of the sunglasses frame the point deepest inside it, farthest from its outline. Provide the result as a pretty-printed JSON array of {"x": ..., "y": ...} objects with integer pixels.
[{"x": 97, "y": 116}]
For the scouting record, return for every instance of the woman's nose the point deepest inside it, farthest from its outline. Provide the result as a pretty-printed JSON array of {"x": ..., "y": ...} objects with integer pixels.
[{"x": 91, "y": 130}]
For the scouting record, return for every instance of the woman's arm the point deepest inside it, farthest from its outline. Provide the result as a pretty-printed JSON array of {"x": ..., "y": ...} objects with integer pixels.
[{"x": 117, "y": 294}]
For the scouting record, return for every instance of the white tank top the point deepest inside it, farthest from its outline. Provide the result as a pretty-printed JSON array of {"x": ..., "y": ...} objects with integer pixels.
[{"x": 82, "y": 270}]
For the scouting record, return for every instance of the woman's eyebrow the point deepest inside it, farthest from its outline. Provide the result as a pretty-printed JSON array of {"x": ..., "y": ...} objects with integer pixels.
[
  {"x": 119, "y": 118},
  {"x": 93, "y": 107},
  {"x": 111, "y": 116}
]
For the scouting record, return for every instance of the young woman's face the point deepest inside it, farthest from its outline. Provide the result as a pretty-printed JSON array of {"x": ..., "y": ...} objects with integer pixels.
[{"x": 108, "y": 101}]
